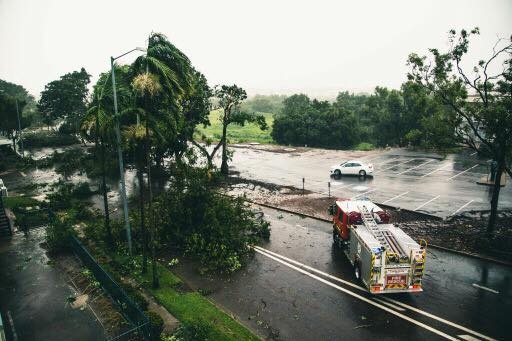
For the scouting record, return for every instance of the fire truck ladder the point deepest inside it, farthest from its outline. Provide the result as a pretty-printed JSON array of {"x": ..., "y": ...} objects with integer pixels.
[{"x": 372, "y": 226}]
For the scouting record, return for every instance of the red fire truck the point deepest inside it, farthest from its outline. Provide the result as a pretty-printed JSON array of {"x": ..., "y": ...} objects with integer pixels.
[{"x": 385, "y": 258}]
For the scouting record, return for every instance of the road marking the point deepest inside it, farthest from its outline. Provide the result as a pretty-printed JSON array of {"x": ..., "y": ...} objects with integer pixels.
[
  {"x": 448, "y": 164},
  {"x": 372, "y": 190},
  {"x": 420, "y": 206},
  {"x": 456, "y": 175},
  {"x": 355, "y": 286},
  {"x": 396, "y": 197},
  {"x": 23, "y": 174},
  {"x": 398, "y": 164},
  {"x": 362, "y": 298},
  {"x": 440, "y": 319},
  {"x": 11, "y": 322},
  {"x": 460, "y": 208},
  {"x": 473, "y": 154},
  {"x": 485, "y": 288},
  {"x": 468, "y": 337},
  {"x": 380, "y": 163},
  {"x": 389, "y": 304},
  {"x": 423, "y": 164}
]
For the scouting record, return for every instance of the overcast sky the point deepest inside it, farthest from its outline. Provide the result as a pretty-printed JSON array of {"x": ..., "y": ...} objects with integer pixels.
[{"x": 313, "y": 46}]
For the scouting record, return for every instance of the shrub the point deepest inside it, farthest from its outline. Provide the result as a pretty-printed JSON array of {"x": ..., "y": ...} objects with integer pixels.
[
  {"x": 135, "y": 295},
  {"x": 199, "y": 330},
  {"x": 365, "y": 146},
  {"x": 156, "y": 323},
  {"x": 58, "y": 234},
  {"x": 48, "y": 139}
]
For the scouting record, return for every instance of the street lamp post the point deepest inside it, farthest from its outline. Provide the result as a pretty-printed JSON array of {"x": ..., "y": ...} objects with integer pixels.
[
  {"x": 120, "y": 152},
  {"x": 19, "y": 128}
]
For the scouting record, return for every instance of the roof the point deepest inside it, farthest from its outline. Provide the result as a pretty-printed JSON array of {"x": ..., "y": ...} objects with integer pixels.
[{"x": 348, "y": 206}]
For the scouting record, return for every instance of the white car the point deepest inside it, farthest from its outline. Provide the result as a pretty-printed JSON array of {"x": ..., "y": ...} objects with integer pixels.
[{"x": 353, "y": 167}]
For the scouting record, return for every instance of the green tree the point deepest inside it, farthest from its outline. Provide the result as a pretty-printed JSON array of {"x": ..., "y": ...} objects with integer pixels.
[
  {"x": 9, "y": 108},
  {"x": 487, "y": 117},
  {"x": 65, "y": 98}
]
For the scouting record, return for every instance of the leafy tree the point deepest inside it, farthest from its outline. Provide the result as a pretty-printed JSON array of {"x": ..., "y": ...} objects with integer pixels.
[
  {"x": 9, "y": 107},
  {"x": 65, "y": 98},
  {"x": 29, "y": 113},
  {"x": 486, "y": 117},
  {"x": 230, "y": 98}
]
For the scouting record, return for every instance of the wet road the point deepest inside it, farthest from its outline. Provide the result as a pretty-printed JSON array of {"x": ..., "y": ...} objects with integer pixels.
[
  {"x": 422, "y": 182},
  {"x": 463, "y": 298},
  {"x": 33, "y": 295}
]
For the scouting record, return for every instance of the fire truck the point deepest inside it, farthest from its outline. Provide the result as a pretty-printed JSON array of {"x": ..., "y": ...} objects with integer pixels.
[{"x": 385, "y": 259}]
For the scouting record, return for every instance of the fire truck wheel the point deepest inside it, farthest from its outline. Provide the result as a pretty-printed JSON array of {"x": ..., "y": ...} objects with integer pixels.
[
  {"x": 335, "y": 238},
  {"x": 357, "y": 271},
  {"x": 362, "y": 173}
]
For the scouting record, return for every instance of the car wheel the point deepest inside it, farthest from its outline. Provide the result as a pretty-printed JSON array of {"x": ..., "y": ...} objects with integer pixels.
[
  {"x": 357, "y": 271},
  {"x": 362, "y": 173},
  {"x": 337, "y": 172}
]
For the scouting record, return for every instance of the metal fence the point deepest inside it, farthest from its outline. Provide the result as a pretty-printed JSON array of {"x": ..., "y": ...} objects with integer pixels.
[{"x": 136, "y": 317}]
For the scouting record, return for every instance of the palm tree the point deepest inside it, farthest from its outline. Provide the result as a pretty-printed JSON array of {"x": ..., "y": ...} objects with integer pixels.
[{"x": 162, "y": 79}]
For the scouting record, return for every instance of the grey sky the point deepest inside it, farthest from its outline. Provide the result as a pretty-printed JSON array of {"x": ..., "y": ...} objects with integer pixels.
[{"x": 318, "y": 47}]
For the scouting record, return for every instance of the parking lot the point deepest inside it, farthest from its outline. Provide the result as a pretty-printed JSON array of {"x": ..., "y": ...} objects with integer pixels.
[{"x": 422, "y": 182}]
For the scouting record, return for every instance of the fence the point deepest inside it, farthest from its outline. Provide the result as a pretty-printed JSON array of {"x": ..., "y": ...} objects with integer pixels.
[{"x": 136, "y": 317}]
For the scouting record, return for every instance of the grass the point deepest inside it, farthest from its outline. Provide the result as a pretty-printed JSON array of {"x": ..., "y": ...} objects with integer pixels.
[
  {"x": 237, "y": 134},
  {"x": 17, "y": 202},
  {"x": 364, "y": 146},
  {"x": 191, "y": 307}
]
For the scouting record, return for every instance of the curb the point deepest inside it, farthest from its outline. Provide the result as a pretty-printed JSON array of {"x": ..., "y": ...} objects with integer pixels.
[{"x": 462, "y": 253}]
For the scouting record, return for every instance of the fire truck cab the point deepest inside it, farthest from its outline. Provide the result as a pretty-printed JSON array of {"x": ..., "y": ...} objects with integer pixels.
[{"x": 385, "y": 258}]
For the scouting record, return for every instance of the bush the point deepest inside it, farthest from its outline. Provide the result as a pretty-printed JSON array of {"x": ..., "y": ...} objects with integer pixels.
[
  {"x": 135, "y": 295},
  {"x": 365, "y": 146},
  {"x": 199, "y": 330},
  {"x": 156, "y": 323},
  {"x": 58, "y": 234},
  {"x": 48, "y": 139}
]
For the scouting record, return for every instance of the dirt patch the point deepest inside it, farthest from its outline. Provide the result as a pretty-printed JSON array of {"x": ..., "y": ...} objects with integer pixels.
[{"x": 466, "y": 232}]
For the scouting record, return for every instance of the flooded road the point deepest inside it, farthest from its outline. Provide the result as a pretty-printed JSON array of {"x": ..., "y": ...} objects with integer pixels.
[
  {"x": 462, "y": 298},
  {"x": 422, "y": 182}
]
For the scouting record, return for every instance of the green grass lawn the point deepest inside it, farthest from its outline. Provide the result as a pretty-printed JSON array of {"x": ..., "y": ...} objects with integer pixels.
[
  {"x": 237, "y": 134},
  {"x": 190, "y": 307}
]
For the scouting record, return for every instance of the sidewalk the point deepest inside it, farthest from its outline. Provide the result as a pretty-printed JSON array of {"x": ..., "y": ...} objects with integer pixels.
[{"x": 33, "y": 295}]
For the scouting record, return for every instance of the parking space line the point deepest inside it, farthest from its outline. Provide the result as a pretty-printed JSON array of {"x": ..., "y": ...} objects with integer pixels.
[
  {"x": 372, "y": 190},
  {"x": 423, "y": 164},
  {"x": 380, "y": 163},
  {"x": 448, "y": 164},
  {"x": 396, "y": 197},
  {"x": 460, "y": 208},
  {"x": 420, "y": 206},
  {"x": 398, "y": 164},
  {"x": 456, "y": 175},
  {"x": 389, "y": 304}
]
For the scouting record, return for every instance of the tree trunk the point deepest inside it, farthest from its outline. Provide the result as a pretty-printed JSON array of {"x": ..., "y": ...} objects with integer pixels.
[
  {"x": 495, "y": 195},
  {"x": 151, "y": 228},
  {"x": 110, "y": 240},
  {"x": 14, "y": 144},
  {"x": 224, "y": 169},
  {"x": 142, "y": 225}
]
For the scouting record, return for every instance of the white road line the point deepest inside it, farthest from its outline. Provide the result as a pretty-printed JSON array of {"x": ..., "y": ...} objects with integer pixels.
[
  {"x": 362, "y": 298},
  {"x": 456, "y": 175},
  {"x": 437, "y": 170},
  {"x": 396, "y": 197},
  {"x": 440, "y": 319},
  {"x": 460, "y": 208},
  {"x": 355, "y": 286},
  {"x": 420, "y": 206},
  {"x": 468, "y": 337},
  {"x": 473, "y": 154},
  {"x": 380, "y": 163},
  {"x": 389, "y": 304},
  {"x": 372, "y": 190},
  {"x": 398, "y": 164},
  {"x": 485, "y": 288},
  {"x": 423, "y": 164}
]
